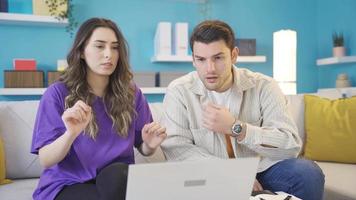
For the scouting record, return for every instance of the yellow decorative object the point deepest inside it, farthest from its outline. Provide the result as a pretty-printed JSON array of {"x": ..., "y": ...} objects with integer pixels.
[
  {"x": 3, "y": 180},
  {"x": 330, "y": 127},
  {"x": 62, "y": 65},
  {"x": 41, "y": 8}
]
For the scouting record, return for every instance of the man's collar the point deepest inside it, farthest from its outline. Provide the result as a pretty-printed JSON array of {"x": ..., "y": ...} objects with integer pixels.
[
  {"x": 197, "y": 86},
  {"x": 241, "y": 82}
]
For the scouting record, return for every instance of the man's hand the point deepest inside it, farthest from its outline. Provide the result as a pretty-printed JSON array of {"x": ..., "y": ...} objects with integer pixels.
[
  {"x": 217, "y": 118},
  {"x": 77, "y": 118}
]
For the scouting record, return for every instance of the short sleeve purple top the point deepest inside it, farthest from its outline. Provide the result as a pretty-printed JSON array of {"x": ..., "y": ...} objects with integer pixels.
[{"x": 86, "y": 156}]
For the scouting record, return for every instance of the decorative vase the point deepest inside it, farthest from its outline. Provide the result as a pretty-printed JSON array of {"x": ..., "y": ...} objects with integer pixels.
[
  {"x": 339, "y": 51},
  {"x": 342, "y": 81}
]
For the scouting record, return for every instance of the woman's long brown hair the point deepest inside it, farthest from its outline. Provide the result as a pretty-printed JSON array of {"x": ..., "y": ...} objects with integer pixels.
[{"x": 119, "y": 95}]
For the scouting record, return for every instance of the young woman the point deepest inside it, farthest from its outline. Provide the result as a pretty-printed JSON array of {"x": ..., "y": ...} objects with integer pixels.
[{"x": 88, "y": 122}]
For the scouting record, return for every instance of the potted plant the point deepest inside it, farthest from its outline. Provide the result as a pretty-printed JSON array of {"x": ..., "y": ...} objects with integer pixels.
[
  {"x": 63, "y": 9},
  {"x": 338, "y": 42},
  {"x": 205, "y": 8}
]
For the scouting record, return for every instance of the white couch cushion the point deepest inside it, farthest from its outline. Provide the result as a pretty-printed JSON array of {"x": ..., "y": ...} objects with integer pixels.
[
  {"x": 158, "y": 156},
  {"x": 16, "y": 127},
  {"x": 18, "y": 189},
  {"x": 339, "y": 180},
  {"x": 295, "y": 105}
]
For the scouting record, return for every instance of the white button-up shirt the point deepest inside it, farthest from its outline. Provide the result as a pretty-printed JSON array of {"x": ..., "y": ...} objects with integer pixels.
[{"x": 256, "y": 100}]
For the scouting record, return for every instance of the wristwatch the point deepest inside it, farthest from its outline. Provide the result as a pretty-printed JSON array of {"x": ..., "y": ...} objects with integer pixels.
[{"x": 236, "y": 129}]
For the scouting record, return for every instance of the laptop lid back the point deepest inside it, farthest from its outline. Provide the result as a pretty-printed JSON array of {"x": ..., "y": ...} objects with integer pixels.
[{"x": 192, "y": 180}]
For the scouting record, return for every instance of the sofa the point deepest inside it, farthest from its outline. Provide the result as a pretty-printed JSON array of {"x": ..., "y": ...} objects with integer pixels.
[{"x": 16, "y": 124}]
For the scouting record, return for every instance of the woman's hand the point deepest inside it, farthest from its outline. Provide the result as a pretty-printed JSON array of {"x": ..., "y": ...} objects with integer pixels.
[
  {"x": 77, "y": 118},
  {"x": 153, "y": 135}
]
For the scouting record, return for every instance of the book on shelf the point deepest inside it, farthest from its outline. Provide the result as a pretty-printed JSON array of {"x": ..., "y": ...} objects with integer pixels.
[
  {"x": 53, "y": 76},
  {"x": 20, "y": 6},
  {"x": 145, "y": 79},
  {"x": 24, "y": 64},
  {"x": 247, "y": 47},
  {"x": 4, "y": 6},
  {"x": 163, "y": 39},
  {"x": 23, "y": 79},
  {"x": 181, "y": 39},
  {"x": 165, "y": 78}
]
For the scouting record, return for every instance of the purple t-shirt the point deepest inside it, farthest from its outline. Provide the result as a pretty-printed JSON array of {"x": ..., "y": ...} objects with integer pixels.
[{"x": 86, "y": 156}]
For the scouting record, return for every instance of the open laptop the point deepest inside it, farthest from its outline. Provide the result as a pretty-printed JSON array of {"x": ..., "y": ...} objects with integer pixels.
[{"x": 192, "y": 180}]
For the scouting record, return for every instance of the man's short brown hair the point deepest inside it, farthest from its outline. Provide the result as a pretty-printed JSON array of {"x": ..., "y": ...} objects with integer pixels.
[{"x": 211, "y": 31}]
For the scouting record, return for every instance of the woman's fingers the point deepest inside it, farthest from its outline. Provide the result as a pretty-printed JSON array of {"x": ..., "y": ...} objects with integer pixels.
[
  {"x": 161, "y": 131},
  {"x": 155, "y": 129},
  {"x": 79, "y": 112},
  {"x": 83, "y": 106}
]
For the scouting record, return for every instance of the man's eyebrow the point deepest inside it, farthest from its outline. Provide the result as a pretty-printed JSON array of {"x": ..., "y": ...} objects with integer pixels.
[
  {"x": 218, "y": 54},
  {"x": 198, "y": 56}
]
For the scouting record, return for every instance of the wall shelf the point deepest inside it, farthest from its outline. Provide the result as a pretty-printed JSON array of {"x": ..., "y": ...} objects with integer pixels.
[
  {"x": 171, "y": 58},
  {"x": 153, "y": 90},
  {"x": 251, "y": 59},
  {"x": 40, "y": 91},
  {"x": 174, "y": 58},
  {"x": 336, "y": 60},
  {"x": 26, "y": 19},
  {"x": 335, "y": 93}
]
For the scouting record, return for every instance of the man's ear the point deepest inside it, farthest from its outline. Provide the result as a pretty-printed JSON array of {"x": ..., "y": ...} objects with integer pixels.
[
  {"x": 193, "y": 60},
  {"x": 234, "y": 54}
]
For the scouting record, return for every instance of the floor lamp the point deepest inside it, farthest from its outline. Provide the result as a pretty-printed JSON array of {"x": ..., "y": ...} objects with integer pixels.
[{"x": 285, "y": 60}]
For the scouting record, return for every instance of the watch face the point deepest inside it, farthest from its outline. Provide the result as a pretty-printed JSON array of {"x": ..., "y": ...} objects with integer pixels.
[{"x": 236, "y": 129}]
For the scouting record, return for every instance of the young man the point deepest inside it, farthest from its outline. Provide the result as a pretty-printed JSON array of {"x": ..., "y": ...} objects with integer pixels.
[{"x": 220, "y": 111}]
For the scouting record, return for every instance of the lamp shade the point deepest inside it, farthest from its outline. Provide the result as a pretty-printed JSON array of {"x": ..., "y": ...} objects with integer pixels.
[{"x": 285, "y": 60}]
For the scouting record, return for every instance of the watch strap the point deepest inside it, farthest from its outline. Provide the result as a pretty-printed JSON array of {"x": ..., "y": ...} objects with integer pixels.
[{"x": 229, "y": 149}]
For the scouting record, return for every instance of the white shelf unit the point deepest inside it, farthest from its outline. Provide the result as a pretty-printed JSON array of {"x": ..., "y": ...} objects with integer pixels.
[
  {"x": 336, "y": 60},
  {"x": 171, "y": 58},
  {"x": 40, "y": 91},
  {"x": 251, "y": 59},
  {"x": 174, "y": 58},
  {"x": 26, "y": 19},
  {"x": 153, "y": 90},
  {"x": 335, "y": 93}
]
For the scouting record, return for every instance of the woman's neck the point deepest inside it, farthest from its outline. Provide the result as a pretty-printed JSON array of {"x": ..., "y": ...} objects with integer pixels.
[{"x": 98, "y": 84}]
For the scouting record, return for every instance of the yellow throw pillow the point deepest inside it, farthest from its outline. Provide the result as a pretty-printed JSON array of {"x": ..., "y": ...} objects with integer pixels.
[
  {"x": 2, "y": 165},
  {"x": 330, "y": 128}
]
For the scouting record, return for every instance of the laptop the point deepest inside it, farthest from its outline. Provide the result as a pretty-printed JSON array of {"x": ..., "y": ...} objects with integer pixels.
[{"x": 230, "y": 179}]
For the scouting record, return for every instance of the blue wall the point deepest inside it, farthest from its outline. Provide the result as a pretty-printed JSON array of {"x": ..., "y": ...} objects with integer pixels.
[
  {"x": 339, "y": 16},
  {"x": 314, "y": 22},
  {"x": 136, "y": 18},
  {"x": 259, "y": 19}
]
